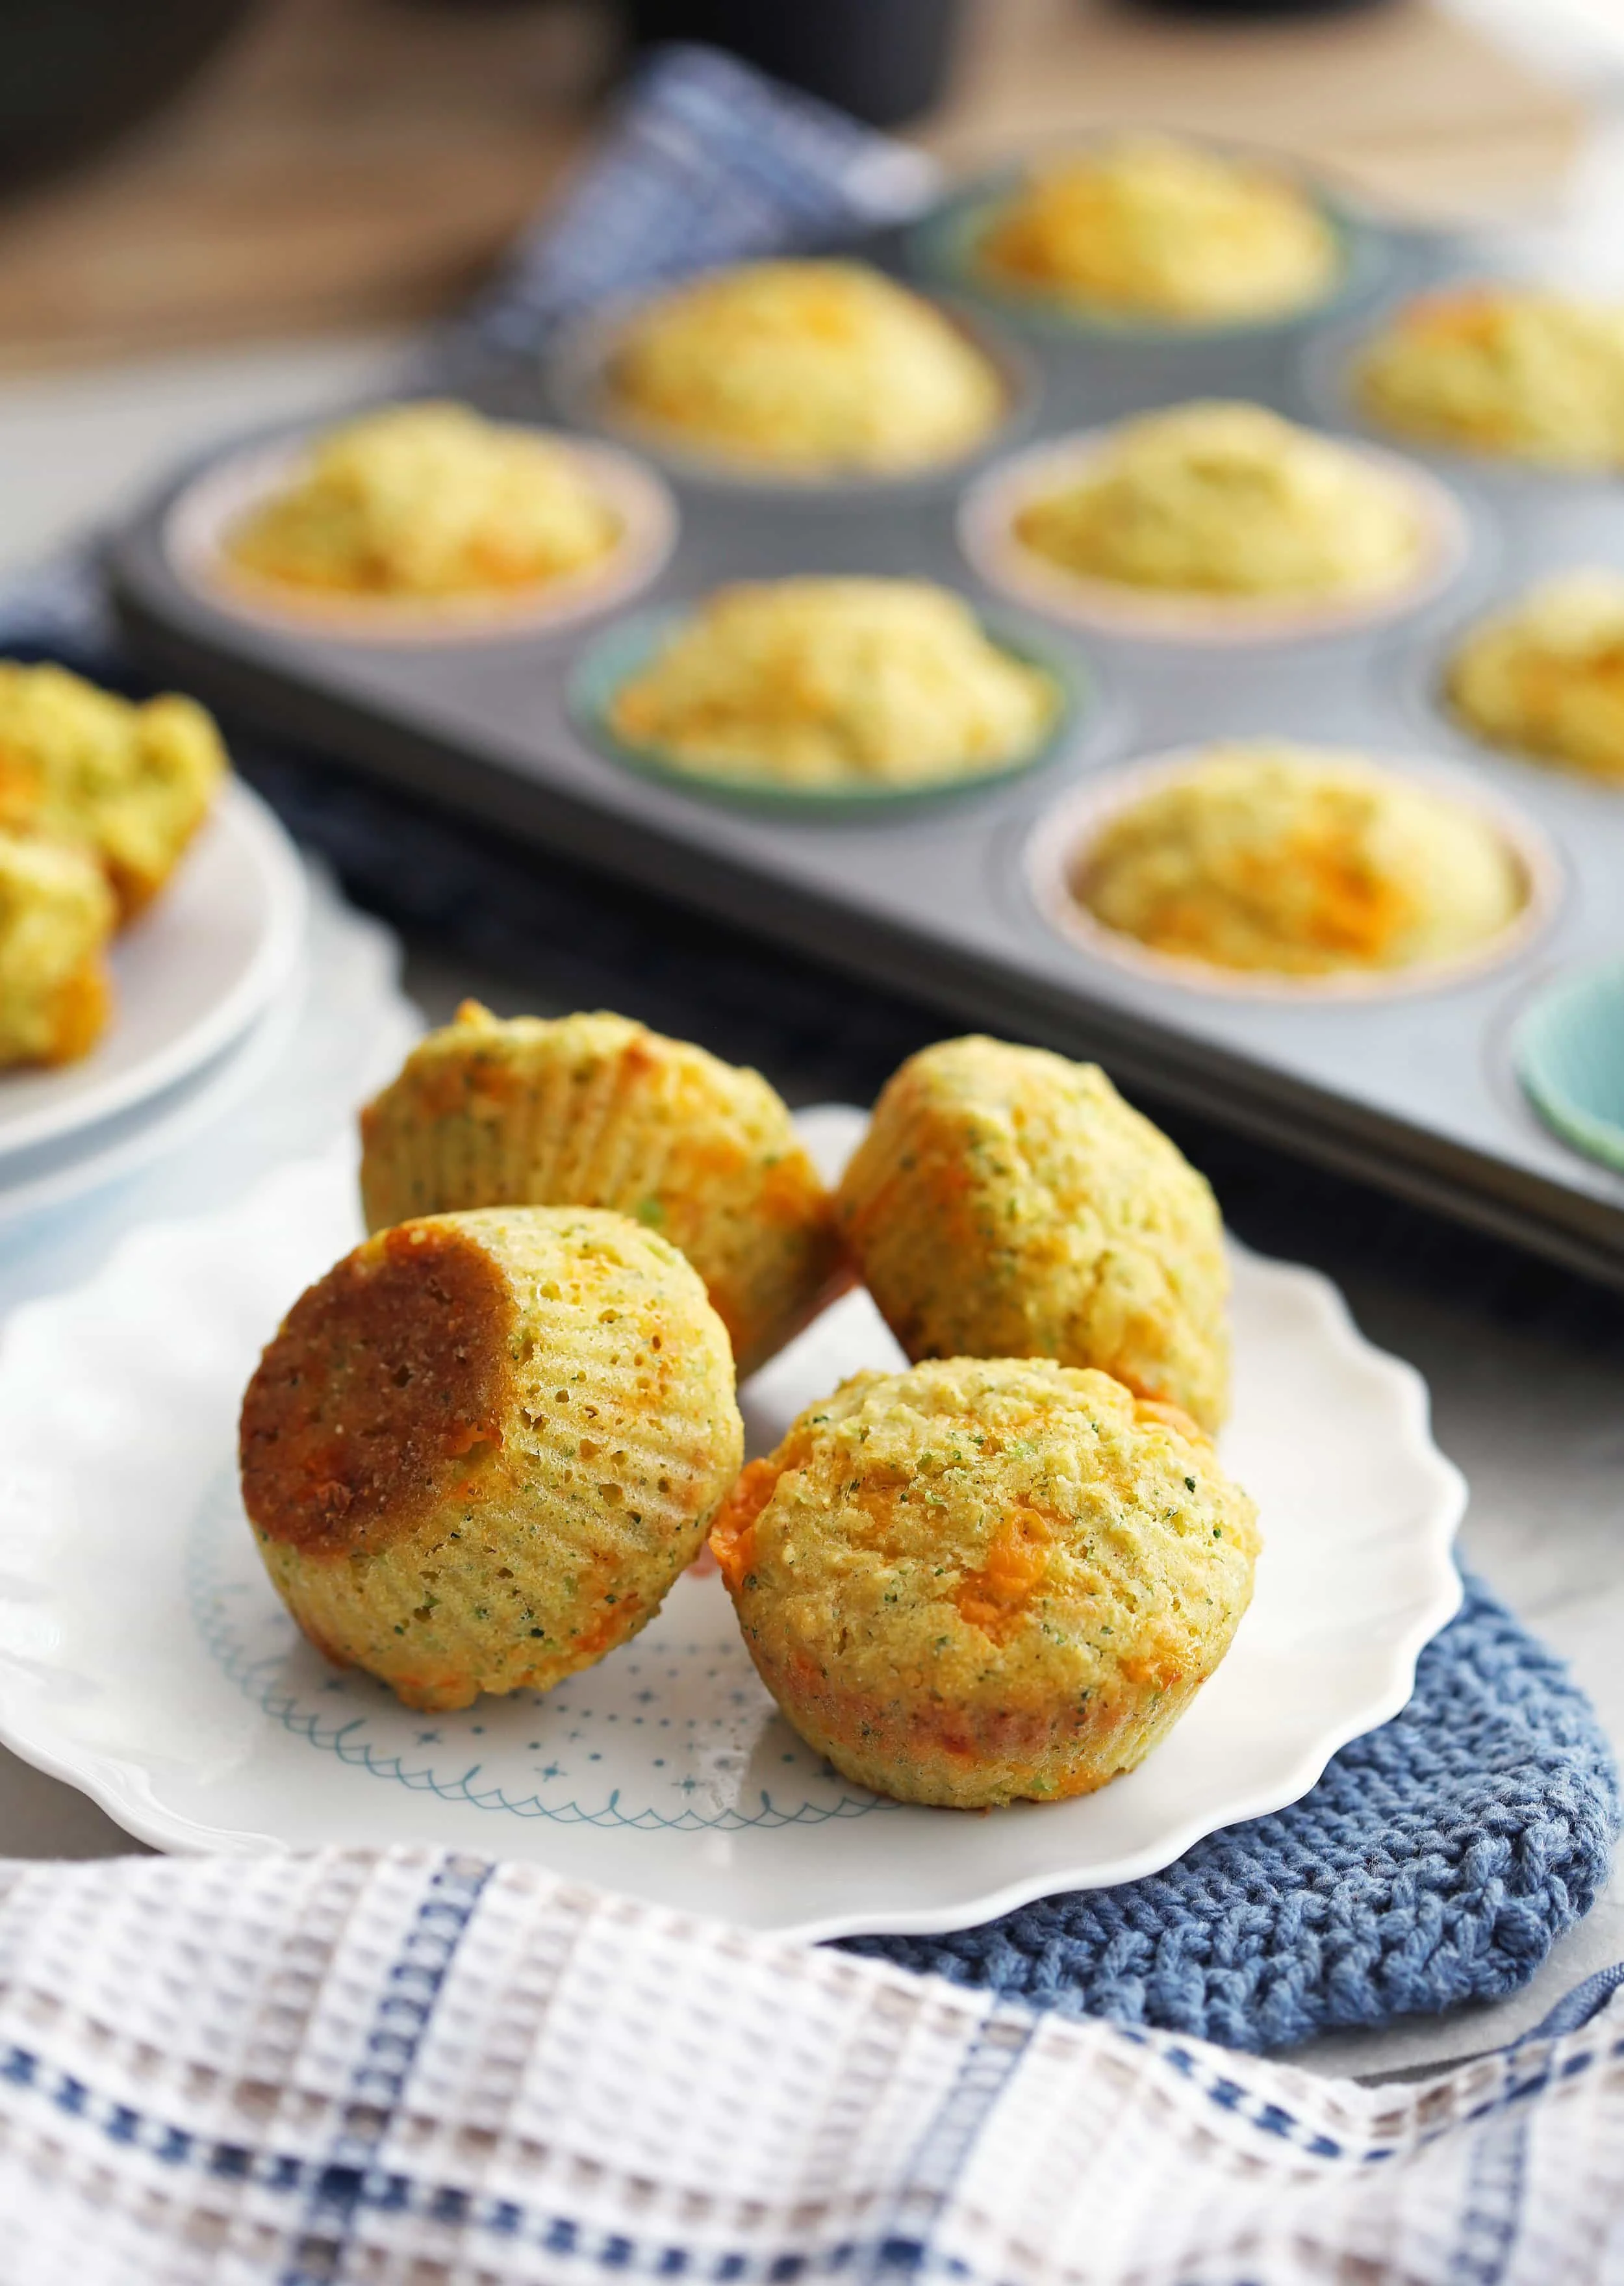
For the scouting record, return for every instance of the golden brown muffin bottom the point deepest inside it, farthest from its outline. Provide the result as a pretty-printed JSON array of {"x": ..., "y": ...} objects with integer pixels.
[{"x": 408, "y": 1352}]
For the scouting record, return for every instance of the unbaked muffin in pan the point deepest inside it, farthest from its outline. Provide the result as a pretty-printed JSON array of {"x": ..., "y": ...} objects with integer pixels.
[
  {"x": 1144, "y": 225},
  {"x": 807, "y": 368},
  {"x": 427, "y": 499},
  {"x": 831, "y": 687},
  {"x": 1544, "y": 676},
  {"x": 1274, "y": 858},
  {"x": 1516, "y": 372},
  {"x": 1226, "y": 500}
]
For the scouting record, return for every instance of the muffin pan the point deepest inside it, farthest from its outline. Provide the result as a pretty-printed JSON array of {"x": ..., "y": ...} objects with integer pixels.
[{"x": 938, "y": 896}]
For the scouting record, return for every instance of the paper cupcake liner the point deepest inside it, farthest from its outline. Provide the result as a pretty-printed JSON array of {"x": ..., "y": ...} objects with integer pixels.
[
  {"x": 577, "y": 382},
  {"x": 1568, "y": 1052},
  {"x": 986, "y": 533},
  {"x": 1064, "y": 835},
  {"x": 942, "y": 249},
  {"x": 198, "y": 523},
  {"x": 623, "y": 650}
]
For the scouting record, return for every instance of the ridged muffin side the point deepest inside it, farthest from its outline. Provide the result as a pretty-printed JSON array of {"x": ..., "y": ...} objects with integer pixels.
[
  {"x": 596, "y": 1110},
  {"x": 1007, "y": 1203},
  {"x": 986, "y": 1580},
  {"x": 480, "y": 1450}
]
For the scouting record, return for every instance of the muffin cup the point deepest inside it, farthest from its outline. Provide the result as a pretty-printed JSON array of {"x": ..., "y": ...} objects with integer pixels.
[
  {"x": 623, "y": 650},
  {"x": 1568, "y": 1052},
  {"x": 943, "y": 248},
  {"x": 1066, "y": 834},
  {"x": 198, "y": 522},
  {"x": 987, "y": 518},
  {"x": 577, "y": 380},
  {"x": 1326, "y": 371}
]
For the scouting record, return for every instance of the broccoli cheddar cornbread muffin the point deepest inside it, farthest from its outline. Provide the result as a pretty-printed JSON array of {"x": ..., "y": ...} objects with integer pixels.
[
  {"x": 133, "y": 783},
  {"x": 1299, "y": 861},
  {"x": 55, "y": 915},
  {"x": 806, "y": 366},
  {"x": 1147, "y": 226},
  {"x": 1514, "y": 371},
  {"x": 986, "y": 1580},
  {"x": 480, "y": 1450},
  {"x": 825, "y": 683},
  {"x": 428, "y": 500},
  {"x": 1228, "y": 499},
  {"x": 1546, "y": 677},
  {"x": 595, "y": 1110},
  {"x": 1007, "y": 1203}
]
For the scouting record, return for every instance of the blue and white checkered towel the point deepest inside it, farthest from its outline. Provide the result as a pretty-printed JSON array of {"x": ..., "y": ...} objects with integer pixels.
[{"x": 421, "y": 2071}]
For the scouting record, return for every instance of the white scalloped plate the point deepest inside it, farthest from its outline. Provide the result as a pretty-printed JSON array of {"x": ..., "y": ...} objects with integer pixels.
[{"x": 144, "y": 1657}]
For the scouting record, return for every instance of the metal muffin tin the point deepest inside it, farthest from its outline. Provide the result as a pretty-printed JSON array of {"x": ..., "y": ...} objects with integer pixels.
[{"x": 1416, "y": 1089}]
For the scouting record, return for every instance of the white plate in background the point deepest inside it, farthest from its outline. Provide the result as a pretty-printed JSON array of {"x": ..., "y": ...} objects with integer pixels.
[{"x": 190, "y": 976}]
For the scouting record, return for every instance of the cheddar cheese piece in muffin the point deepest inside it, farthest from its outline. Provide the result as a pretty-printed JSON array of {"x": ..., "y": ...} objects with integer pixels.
[
  {"x": 806, "y": 366},
  {"x": 55, "y": 915},
  {"x": 830, "y": 683},
  {"x": 480, "y": 1450},
  {"x": 1300, "y": 861},
  {"x": 595, "y": 1110},
  {"x": 1147, "y": 226},
  {"x": 1546, "y": 678},
  {"x": 986, "y": 1580},
  {"x": 134, "y": 783},
  {"x": 1006, "y": 1202},
  {"x": 426, "y": 501},
  {"x": 1228, "y": 499},
  {"x": 1515, "y": 371}
]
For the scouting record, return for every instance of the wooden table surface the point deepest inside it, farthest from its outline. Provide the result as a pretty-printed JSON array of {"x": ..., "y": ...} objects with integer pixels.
[{"x": 346, "y": 163}]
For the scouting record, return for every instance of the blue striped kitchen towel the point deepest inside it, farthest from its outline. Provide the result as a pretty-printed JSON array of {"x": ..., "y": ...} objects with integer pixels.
[{"x": 417, "y": 2069}]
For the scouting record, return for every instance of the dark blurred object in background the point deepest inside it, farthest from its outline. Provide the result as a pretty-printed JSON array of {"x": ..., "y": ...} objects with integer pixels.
[
  {"x": 883, "y": 60},
  {"x": 77, "y": 72},
  {"x": 1240, "y": 11}
]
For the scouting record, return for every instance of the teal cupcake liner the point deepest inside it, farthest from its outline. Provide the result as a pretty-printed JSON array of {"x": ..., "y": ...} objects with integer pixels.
[
  {"x": 1568, "y": 1049},
  {"x": 629, "y": 646}
]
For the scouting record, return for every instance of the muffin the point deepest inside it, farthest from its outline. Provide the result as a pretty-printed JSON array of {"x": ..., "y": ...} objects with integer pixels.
[
  {"x": 1510, "y": 370},
  {"x": 595, "y": 1110},
  {"x": 805, "y": 367},
  {"x": 826, "y": 684},
  {"x": 1299, "y": 861},
  {"x": 1144, "y": 226},
  {"x": 986, "y": 1580},
  {"x": 1228, "y": 499},
  {"x": 79, "y": 764},
  {"x": 55, "y": 915},
  {"x": 1007, "y": 1203},
  {"x": 479, "y": 1451},
  {"x": 1546, "y": 678},
  {"x": 427, "y": 500}
]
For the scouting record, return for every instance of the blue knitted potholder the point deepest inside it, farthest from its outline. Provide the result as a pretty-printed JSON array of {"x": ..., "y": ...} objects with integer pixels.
[{"x": 1435, "y": 1861}]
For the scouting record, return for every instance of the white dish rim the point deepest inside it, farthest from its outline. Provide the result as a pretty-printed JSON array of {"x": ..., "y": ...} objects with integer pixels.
[{"x": 240, "y": 813}]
